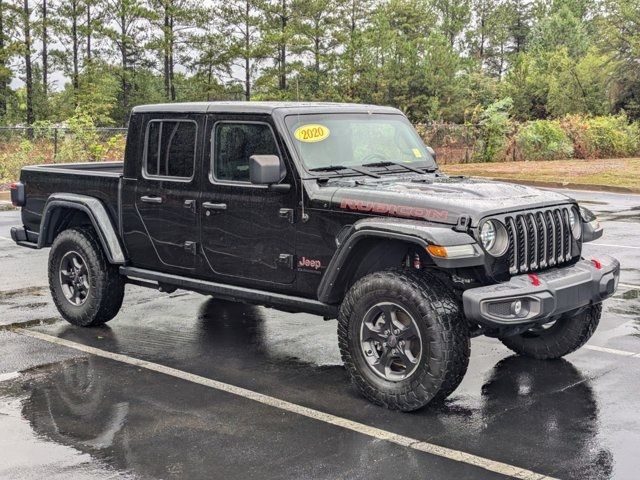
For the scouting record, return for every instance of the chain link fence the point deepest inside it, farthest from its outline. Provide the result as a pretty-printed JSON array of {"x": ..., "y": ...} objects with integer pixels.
[
  {"x": 51, "y": 138},
  {"x": 453, "y": 143}
]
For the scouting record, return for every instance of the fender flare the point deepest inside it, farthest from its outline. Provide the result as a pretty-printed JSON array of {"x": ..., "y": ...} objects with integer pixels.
[
  {"x": 96, "y": 212},
  {"x": 386, "y": 228}
]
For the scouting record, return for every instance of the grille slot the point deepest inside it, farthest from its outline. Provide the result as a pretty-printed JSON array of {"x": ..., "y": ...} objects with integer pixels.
[{"x": 538, "y": 239}]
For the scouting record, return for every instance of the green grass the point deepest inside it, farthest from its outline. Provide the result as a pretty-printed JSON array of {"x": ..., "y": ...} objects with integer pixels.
[{"x": 617, "y": 172}]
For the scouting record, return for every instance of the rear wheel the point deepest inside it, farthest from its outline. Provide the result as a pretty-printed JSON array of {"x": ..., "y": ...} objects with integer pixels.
[
  {"x": 86, "y": 288},
  {"x": 556, "y": 339},
  {"x": 402, "y": 339}
]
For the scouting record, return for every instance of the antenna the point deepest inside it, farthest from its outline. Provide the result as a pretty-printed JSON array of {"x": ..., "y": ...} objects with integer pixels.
[{"x": 305, "y": 217}]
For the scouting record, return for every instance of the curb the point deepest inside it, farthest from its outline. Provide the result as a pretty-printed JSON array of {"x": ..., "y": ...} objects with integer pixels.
[{"x": 6, "y": 206}]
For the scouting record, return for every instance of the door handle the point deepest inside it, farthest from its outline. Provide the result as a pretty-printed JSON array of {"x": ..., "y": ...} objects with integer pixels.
[
  {"x": 214, "y": 206},
  {"x": 147, "y": 199}
]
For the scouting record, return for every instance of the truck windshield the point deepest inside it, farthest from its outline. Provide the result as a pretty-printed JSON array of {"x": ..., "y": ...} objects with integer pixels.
[{"x": 336, "y": 142}]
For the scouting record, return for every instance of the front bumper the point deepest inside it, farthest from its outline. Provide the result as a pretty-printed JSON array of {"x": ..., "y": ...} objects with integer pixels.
[{"x": 533, "y": 298}]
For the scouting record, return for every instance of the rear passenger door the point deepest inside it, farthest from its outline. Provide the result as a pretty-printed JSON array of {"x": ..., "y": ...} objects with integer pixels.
[
  {"x": 248, "y": 231},
  {"x": 167, "y": 192}
]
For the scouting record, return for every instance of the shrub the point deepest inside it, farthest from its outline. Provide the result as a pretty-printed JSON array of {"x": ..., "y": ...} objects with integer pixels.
[
  {"x": 493, "y": 127},
  {"x": 78, "y": 141},
  {"x": 82, "y": 142},
  {"x": 543, "y": 140},
  {"x": 612, "y": 136},
  {"x": 15, "y": 155},
  {"x": 602, "y": 137}
]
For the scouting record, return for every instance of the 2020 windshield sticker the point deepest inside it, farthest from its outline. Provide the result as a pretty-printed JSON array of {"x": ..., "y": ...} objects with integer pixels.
[{"x": 311, "y": 133}]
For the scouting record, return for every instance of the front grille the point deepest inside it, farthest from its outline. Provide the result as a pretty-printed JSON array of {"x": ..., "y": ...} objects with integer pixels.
[{"x": 538, "y": 239}]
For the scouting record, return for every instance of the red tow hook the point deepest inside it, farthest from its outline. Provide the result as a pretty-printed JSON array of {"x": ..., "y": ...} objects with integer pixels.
[
  {"x": 535, "y": 280},
  {"x": 596, "y": 263}
]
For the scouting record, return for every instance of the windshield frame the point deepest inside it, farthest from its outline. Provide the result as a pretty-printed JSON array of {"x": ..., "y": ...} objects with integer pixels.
[{"x": 429, "y": 161}]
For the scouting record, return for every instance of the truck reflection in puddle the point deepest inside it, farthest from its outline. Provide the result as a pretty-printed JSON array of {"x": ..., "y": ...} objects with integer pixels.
[{"x": 538, "y": 415}]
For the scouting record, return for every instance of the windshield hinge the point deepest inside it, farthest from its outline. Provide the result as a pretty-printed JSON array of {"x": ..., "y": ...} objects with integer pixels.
[{"x": 464, "y": 222}]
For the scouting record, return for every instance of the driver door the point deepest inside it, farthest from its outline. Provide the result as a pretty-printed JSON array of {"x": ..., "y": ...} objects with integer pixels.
[{"x": 247, "y": 232}]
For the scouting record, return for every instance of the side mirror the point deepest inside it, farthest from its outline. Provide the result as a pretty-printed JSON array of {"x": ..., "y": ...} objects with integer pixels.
[
  {"x": 266, "y": 169},
  {"x": 432, "y": 152}
]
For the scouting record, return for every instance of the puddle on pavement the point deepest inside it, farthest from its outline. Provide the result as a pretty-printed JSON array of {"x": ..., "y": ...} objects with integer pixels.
[
  {"x": 151, "y": 428},
  {"x": 31, "y": 323},
  {"x": 631, "y": 294},
  {"x": 622, "y": 218},
  {"x": 22, "y": 292},
  {"x": 30, "y": 306}
]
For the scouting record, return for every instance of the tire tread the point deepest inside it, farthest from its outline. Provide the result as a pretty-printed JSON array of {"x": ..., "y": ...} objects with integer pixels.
[
  {"x": 447, "y": 327},
  {"x": 108, "y": 284}
]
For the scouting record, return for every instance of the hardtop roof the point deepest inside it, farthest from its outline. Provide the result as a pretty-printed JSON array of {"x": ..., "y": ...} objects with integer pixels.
[{"x": 262, "y": 107}]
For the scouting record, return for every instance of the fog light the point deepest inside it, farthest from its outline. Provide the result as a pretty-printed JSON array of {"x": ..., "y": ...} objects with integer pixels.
[{"x": 516, "y": 307}]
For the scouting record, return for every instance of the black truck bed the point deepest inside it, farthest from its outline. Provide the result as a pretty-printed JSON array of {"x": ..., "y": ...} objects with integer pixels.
[{"x": 95, "y": 179}]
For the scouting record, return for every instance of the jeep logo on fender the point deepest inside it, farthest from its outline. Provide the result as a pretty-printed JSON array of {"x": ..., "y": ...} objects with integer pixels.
[
  {"x": 305, "y": 262},
  {"x": 393, "y": 210}
]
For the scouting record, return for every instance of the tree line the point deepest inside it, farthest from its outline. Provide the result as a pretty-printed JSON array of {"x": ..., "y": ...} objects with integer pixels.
[{"x": 437, "y": 60}]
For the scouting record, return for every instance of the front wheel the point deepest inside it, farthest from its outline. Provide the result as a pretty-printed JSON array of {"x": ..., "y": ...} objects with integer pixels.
[
  {"x": 85, "y": 287},
  {"x": 402, "y": 338},
  {"x": 556, "y": 339}
]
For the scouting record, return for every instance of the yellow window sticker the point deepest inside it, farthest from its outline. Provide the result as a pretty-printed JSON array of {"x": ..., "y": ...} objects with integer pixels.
[
  {"x": 417, "y": 153},
  {"x": 311, "y": 133}
]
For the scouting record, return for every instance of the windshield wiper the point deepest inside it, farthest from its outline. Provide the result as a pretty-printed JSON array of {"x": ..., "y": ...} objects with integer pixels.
[
  {"x": 335, "y": 168},
  {"x": 388, "y": 163}
]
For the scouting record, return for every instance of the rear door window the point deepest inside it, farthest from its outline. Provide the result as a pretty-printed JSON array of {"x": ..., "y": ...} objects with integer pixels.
[{"x": 170, "y": 149}]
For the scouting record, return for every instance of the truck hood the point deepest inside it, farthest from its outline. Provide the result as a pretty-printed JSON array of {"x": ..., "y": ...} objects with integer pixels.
[{"x": 440, "y": 199}]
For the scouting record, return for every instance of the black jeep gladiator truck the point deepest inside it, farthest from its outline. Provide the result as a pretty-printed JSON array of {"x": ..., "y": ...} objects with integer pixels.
[{"x": 332, "y": 209}]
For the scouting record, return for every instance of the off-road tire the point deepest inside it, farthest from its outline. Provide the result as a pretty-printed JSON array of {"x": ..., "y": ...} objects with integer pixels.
[
  {"x": 106, "y": 291},
  {"x": 444, "y": 332},
  {"x": 566, "y": 335}
]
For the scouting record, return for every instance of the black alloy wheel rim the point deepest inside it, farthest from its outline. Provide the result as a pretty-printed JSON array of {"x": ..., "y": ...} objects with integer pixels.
[
  {"x": 390, "y": 341},
  {"x": 74, "y": 278}
]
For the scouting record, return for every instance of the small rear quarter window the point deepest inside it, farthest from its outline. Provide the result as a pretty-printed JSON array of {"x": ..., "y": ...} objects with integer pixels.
[{"x": 170, "y": 149}]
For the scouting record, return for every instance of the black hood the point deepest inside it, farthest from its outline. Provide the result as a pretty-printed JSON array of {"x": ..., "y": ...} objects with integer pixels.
[{"x": 438, "y": 198}]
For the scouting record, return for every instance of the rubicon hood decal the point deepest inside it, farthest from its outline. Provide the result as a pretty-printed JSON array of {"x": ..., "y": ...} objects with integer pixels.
[{"x": 393, "y": 210}]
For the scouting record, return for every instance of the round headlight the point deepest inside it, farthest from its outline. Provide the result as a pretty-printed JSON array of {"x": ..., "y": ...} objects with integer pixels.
[
  {"x": 494, "y": 238},
  {"x": 488, "y": 235},
  {"x": 575, "y": 223}
]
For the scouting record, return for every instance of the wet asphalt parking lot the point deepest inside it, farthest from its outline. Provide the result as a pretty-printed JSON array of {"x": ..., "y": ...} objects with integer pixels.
[{"x": 184, "y": 386}]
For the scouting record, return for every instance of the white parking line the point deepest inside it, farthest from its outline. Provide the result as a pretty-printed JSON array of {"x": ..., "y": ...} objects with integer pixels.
[
  {"x": 5, "y": 238},
  {"x": 8, "y": 376},
  {"x": 430, "y": 448},
  {"x": 611, "y": 245},
  {"x": 624, "y": 353},
  {"x": 628, "y": 285}
]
